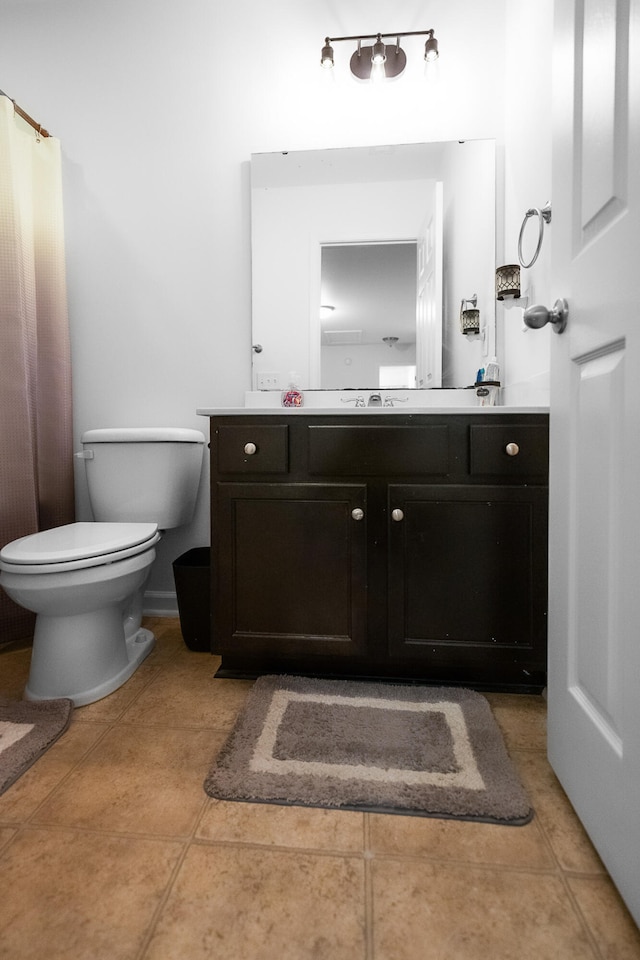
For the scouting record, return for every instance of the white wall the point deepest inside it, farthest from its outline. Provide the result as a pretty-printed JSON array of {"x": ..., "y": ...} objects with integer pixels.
[
  {"x": 527, "y": 184},
  {"x": 469, "y": 259},
  {"x": 159, "y": 105}
]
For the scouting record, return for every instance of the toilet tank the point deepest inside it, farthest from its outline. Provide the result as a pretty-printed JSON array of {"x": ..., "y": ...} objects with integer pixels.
[{"x": 143, "y": 474}]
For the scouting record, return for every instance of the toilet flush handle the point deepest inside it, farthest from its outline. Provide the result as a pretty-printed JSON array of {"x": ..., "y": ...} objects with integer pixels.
[{"x": 84, "y": 455}]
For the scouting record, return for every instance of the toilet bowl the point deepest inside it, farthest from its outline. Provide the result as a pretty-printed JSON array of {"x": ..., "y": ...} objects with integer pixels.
[{"x": 85, "y": 582}]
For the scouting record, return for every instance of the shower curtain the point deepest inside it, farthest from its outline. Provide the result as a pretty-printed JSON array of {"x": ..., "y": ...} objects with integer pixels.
[{"x": 36, "y": 466}]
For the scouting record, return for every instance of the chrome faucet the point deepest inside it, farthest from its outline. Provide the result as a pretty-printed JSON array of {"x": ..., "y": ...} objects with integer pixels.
[
  {"x": 375, "y": 400},
  {"x": 357, "y": 401},
  {"x": 391, "y": 401}
]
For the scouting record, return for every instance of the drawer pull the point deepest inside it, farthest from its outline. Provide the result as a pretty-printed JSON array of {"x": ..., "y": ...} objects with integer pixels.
[
  {"x": 512, "y": 449},
  {"x": 250, "y": 449},
  {"x": 397, "y": 515},
  {"x": 357, "y": 513}
]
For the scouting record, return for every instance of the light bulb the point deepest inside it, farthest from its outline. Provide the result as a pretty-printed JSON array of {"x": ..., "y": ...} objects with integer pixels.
[
  {"x": 326, "y": 58},
  {"x": 378, "y": 51},
  {"x": 431, "y": 49}
]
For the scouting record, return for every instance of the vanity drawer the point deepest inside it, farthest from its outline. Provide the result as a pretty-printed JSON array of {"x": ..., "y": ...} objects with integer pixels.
[
  {"x": 377, "y": 451},
  {"x": 516, "y": 450},
  {"x": 252, "y": 449}
]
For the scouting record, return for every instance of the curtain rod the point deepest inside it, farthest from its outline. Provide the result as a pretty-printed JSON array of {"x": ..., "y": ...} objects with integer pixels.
[{"x": 25, "y": 116}]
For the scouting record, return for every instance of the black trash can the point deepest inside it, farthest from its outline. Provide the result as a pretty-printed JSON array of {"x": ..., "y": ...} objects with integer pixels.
[{"x": 192, "y": 574}]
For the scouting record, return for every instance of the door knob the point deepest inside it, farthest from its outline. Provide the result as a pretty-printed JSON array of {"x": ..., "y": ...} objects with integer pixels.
[
  {"x": 397, "y": 515},
  {"x": 357, "y": 513},
  {"x": 512, "y": 449},
  {"x": 536, "y": 316},
  {"x": 250, "y": 449}
]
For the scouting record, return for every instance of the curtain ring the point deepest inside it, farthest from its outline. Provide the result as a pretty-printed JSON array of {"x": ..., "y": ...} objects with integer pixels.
[{"x": 544, "y": 216}]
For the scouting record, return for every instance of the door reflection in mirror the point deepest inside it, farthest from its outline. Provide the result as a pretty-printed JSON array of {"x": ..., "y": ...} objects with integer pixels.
[{"x": 371, "y": 288}]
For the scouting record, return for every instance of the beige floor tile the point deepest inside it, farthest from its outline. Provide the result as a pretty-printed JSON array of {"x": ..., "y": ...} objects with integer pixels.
[
  {"x": 188, "y": 657},
  {"x": 113, "y": 707},
  {"x": 274, "y": 825},
  {"x": 168, "y": 640},
  {"x": 203, "y": 659},
  {"x": 424, "y": 911},
  {"x": 567, "y": 837},
  {"x": 263, "y": 881},
  {"x": 137, "y": 781},
  {"x": 460, "y": 840},
  {"x": 607, "y": 917},
  {"x": 188, "y": 694},
  {"x": 6, "y": 834},
  {"x": 73, "y": 895},
  {"x": 14, "y": 670},
  {"x": 162, "y": 626},
  {"x": 23, "y": 797},
  {"x": 522, "y": 719},
  {"x": 243, "y": 904}
]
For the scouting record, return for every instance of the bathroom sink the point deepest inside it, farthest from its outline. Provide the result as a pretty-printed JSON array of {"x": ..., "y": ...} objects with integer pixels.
[{"x": 375, "y": 401}]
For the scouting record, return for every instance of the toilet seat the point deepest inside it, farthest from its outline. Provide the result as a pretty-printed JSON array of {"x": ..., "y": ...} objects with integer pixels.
[{"x": 76, "y": 546}]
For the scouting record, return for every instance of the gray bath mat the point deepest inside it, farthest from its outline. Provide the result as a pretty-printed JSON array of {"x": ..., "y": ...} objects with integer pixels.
[
  {"x": 27, "y": 729},
  {"x": 426, "y": 751}
]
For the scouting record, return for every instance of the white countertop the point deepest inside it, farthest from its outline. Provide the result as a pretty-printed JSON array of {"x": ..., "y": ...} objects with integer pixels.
[
  {"x": 361, "y": 411},
  {"x": 393, "y": 402}
]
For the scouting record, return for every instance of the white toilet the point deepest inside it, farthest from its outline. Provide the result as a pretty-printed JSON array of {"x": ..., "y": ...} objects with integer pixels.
[{"x": 85, "y": 581}]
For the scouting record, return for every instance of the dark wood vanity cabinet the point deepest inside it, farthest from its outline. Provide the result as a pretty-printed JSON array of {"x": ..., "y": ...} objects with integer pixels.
[
  {"x": 291, "y": 571},
  {"x": 409, "y": 547}
]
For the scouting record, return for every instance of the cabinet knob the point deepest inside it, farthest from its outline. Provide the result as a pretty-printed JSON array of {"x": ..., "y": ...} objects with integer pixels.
[
  {"x": 357, "y": 513},
  {"x": 250, "y": 449},
  {"x": 512, "y": 449},
  {"x": 397, "y": 515}
]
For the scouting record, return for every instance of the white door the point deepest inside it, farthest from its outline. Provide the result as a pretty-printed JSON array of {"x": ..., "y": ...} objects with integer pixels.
[
  {"x": 429, "y": 295},
  {"x": 594, "y": 601}
]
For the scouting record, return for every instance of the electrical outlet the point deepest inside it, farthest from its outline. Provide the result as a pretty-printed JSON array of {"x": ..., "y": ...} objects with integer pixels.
[{"x": 268, "y": 381}]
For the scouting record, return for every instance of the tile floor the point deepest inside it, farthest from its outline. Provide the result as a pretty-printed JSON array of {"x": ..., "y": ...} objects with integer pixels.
[{"x": 110, "y": 850}]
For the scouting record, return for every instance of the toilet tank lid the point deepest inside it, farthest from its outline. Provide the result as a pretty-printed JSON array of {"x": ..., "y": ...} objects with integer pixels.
[{"x": 143, "y": 435}]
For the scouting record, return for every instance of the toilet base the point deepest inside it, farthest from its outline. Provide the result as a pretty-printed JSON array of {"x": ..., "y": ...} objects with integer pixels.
[{"x": 64, "y": 664}]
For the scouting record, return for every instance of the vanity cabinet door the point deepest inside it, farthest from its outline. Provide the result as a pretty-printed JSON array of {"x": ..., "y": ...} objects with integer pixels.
[
  {"x": 468, "y": 581},
  {"x": 291, "y": 572}
]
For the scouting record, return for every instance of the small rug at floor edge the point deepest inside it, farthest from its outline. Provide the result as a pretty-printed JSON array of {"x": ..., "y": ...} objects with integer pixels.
[
  {"x": 374, "y": 747},
  {"x": 27, "y": 729}
]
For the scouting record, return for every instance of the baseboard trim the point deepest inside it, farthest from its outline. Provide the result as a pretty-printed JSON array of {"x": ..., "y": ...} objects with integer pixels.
[{"x": 160, "y": 603}]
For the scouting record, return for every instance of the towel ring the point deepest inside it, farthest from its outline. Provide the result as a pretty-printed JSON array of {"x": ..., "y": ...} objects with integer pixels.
[{"x": 544, "y": 216}]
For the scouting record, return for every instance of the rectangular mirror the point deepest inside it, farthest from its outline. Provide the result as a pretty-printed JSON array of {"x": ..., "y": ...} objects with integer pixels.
[{"x": 361, "y": 258}]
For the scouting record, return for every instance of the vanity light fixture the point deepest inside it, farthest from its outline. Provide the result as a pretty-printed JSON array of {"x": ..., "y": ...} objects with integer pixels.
[
  {"x": 470, "y": 317},
  {"x": 508, "y": 286},
  {"x": 385, "y": 60},
  {"x": 508, "y": 282}
]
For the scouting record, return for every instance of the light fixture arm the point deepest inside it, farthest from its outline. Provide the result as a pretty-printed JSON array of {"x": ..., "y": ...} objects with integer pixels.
[{"x": 374, "y": 36}]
